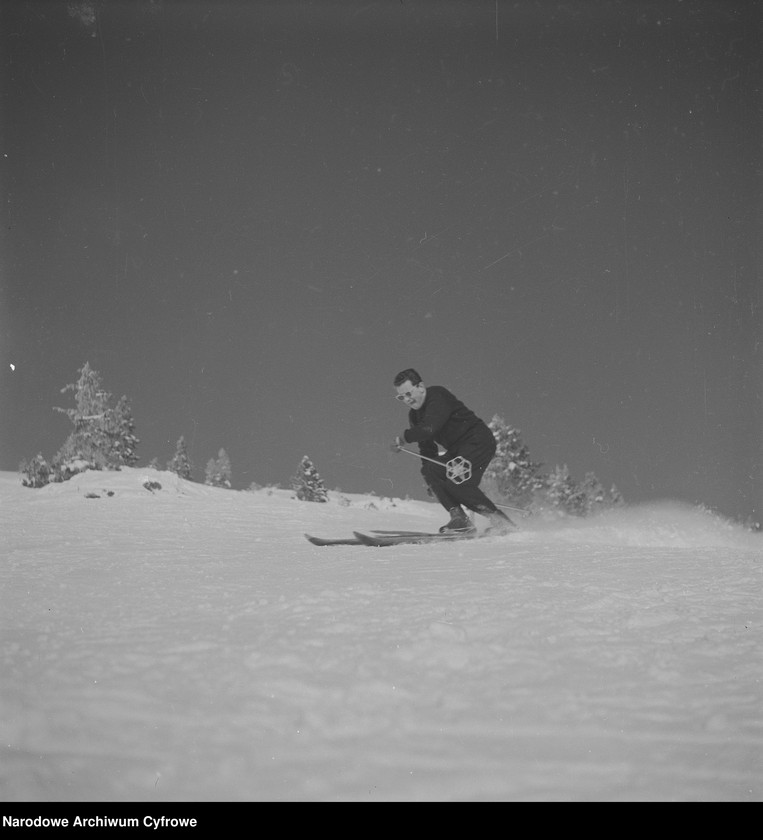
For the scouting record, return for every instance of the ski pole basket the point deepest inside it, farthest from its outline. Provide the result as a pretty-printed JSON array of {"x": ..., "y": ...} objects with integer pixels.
[{"x": 458, "y": 470}]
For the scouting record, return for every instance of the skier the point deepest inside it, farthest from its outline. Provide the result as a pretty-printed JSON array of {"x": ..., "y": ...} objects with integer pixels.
[{"x": 437, "y": 417}]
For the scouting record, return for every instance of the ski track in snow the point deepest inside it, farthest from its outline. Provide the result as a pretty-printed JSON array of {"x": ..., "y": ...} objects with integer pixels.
[{"x": 188, "y": 644}]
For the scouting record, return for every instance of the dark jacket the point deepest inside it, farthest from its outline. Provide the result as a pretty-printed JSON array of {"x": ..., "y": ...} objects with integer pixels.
[{"x": 443, "y": 420}]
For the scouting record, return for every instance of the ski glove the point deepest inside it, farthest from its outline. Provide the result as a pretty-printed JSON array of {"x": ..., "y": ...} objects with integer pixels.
[{"x": 397, "y": 444}]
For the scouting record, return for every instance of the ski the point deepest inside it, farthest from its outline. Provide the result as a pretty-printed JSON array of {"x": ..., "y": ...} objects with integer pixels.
[
  {"x": 340, "y": 541},
  {"x": 401, "y": 533},
  {"x": 382, "y": 540},
  {"x": 355, "y": 541}
]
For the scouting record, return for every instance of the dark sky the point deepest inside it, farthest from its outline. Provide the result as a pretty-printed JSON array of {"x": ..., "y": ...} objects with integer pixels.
[{"x": 248, "y": 216}]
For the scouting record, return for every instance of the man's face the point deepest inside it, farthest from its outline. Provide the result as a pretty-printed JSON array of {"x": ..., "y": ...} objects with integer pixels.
[{"x": 412, "y": 395}]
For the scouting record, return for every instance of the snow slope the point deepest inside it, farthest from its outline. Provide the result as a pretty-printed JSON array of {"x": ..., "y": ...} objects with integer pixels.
[{"x": 187, "y": 643}]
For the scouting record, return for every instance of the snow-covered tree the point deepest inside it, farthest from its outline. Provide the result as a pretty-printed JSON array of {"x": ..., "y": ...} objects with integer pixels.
[
  {"x": 103, "y": 436},
  {"x": 37, "y": 472},
  {"x": 180, "y": 463},
  {"x": 512, "y": 472},
  {"x": 88, "y": 445},
  {"x": 597, "y": 498},
  {"x": 124, "y": 439},
  {"x": 564, "y": 493},
  {"x": 615, "y": 497},
  {"x": 308, "y": 483},
  {"x": 594, "y": 495},
  {"x": 90, "y": 398},
  {"x": 218, "y": 472}
]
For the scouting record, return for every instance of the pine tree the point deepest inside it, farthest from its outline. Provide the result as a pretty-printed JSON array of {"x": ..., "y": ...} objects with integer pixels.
[
  {"x": 103, "y": 436},
  {"x": 124, "y": 439},
  {"x": 181, "y": 463},
  {"x": 512, "y": 472},
  {"x": 37, "y": 472},
  {"x": 594, "y": 495},
  {"x": 218, "y": 472},
  {"x": 90, "y": 398},
  {"x": 308, "y": 483},
  {"x": 615, "y": 497},
  {"x": 564, "y": 493},
  {"x": 88, "y": 445}
]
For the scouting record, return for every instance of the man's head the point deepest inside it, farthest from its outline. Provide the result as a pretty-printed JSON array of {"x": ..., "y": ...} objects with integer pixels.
[{"x": 410, "y": 389}]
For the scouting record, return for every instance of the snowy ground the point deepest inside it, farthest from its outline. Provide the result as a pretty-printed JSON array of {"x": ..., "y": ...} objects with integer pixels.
[{"x": 189, "y": 644}]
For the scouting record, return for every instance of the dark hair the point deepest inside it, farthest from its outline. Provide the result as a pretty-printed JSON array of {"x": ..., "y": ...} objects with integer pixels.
[{"x": 405, "y": 376}]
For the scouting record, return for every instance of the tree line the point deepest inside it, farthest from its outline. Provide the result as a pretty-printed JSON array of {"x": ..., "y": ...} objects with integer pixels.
[
  {"x": 514, "y": 479},
  {"x": 103, "y": 438}
]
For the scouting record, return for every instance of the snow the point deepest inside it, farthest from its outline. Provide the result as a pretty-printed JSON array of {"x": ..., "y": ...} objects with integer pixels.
[{"x": 186, "y": 643}]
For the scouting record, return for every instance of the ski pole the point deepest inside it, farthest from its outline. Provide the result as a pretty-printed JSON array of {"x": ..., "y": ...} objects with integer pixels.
[
  {"x": 459, "y": 470},
  {"x": 509, "y": 507}
]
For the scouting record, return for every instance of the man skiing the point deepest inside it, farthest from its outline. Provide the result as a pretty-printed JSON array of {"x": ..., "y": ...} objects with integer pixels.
[{"x": 437, "y": 418}]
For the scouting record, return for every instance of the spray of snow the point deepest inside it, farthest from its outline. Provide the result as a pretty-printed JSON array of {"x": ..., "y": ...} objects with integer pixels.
[{"x": 656, "y": 524}]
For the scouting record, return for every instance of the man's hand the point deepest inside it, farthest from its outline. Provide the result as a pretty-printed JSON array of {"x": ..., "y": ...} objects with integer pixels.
[{"x": 397, "y": 444}]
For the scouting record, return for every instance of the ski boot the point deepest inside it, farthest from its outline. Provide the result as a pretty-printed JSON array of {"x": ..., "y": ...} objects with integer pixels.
[{"x": 459, "y": 523}]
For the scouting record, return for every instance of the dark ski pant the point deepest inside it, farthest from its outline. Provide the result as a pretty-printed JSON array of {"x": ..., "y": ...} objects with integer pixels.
[{"x": 479, "y": 450}]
